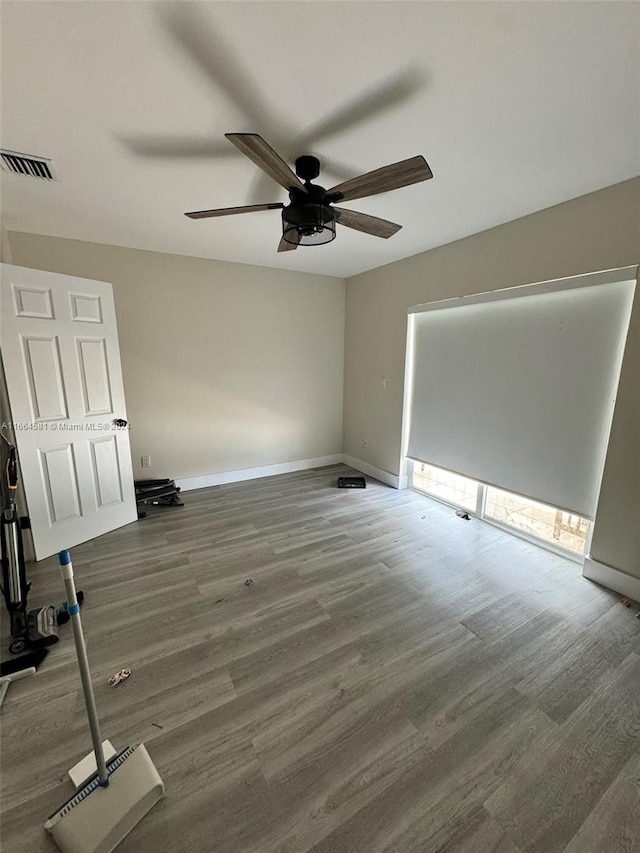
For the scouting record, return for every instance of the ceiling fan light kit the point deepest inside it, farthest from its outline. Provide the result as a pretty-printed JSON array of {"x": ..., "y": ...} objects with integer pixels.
[
  {"x": 310, "y": 217},
  {"x": 308, "y": 224}
]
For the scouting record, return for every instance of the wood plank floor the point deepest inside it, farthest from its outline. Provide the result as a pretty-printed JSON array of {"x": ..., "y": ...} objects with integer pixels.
[{"x": 395, "y": 679}]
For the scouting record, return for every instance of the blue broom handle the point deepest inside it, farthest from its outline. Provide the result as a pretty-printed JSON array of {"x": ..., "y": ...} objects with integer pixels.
[{"x": 66, "y": 568}]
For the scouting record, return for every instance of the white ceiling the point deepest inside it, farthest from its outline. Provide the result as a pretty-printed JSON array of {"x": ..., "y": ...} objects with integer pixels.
[{"x": 516, "y": 107}]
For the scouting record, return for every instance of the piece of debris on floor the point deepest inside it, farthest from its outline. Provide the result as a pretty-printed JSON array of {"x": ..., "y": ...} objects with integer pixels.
[
  {"x": 462, "y": 514},
  {"x": 119, "y": 677},
  {"x": 157, "y": 725},
  {"x": 625, "y": 602},
  {"x": 248, "y": 582},
  {"x": 219, "y": 600}
]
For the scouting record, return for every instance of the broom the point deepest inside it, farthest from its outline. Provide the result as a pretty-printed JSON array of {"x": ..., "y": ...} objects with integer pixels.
[{"x": 116, "y": 798}]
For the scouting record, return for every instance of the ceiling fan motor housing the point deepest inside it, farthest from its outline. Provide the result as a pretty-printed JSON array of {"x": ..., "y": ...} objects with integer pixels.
[{"x": 307, "y": 167}]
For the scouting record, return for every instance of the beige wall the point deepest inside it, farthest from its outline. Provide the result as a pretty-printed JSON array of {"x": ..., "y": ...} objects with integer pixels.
[
  {"x": 226, "y": 366},
  {"x": 594, "y": 232},
  {"x": 5, "y": 250}
]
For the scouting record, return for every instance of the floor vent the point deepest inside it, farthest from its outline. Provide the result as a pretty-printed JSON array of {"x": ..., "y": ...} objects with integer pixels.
[{"x": 25, "y": 164}]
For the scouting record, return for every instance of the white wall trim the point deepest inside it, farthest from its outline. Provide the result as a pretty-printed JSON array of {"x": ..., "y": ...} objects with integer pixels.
[
  {"x": 569, "y": 283},
  {"x": 372, "y": 471},
  {"x": 614, "y": 579},
  {"x": 204, "y": 481},
  {"x": 188, "y": 484}
]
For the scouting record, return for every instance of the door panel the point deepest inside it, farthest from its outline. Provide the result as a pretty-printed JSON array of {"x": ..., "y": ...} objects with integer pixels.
[
  {"x": 86, "y": 309},
  {"x": 60, "y": 482},
  {"x": 106, "y": 467},
  {"x": 33, "y": 302},
  {"x": 62, "y": 365},
  {"x": 44, "y": 371},
  {"x": 94, "y": 376}
]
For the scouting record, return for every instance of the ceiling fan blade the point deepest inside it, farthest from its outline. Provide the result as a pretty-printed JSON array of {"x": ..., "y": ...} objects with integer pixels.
[
  {"x": 392, "y": 177},
  {"x": 365, "y": 223},
  {"x": 208, "y": 49},
  {"x": 230, "y": 211},
  {"x": 376, "y": 99},
  {"x": 170, "y": 147},
  {"x": 255, "y": 148},
  {"x": 284, "y": 246}
]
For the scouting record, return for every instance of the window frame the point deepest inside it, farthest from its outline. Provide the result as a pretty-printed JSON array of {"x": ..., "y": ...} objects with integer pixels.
[{"x": 480, "y": 514}]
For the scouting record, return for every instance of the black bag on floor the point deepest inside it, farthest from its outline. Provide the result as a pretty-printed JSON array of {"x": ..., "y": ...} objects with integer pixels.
[{"x": 157, "y": 493}]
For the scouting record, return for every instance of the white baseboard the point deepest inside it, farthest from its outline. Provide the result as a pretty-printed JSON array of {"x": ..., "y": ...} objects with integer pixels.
[
  {"x": 188, "y": 484},
  {"x": 204, "y": 481},
  {"x": 372, "y": 471},
  {"x": 614, "y": 579}
]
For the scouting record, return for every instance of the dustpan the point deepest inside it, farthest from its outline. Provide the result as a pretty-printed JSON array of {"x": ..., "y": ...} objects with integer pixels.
[{"x": 116, "y": 798}]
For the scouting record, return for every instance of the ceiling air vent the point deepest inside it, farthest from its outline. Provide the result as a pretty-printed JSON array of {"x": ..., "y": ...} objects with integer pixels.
[{"x": 26, "y": 164}]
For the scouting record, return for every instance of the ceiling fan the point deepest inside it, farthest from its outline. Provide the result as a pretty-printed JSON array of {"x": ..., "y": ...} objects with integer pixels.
[{"x": 311, "y": 215}]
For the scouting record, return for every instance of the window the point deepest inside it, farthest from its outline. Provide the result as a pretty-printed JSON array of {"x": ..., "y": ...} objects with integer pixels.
[
  {"x": 563, "y": 529},
  {"x": 517, "y": 387},
  {"x": 546, "y": 525},
  {"x": 449, "y": 487}
]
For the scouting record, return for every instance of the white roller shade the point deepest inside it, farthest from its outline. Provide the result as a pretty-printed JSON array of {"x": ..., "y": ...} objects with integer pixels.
[{"x": 518, "y": 392}]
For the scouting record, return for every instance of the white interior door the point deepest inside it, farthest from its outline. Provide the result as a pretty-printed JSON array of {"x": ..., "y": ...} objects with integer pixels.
[{"x": 59, "y": 345}]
